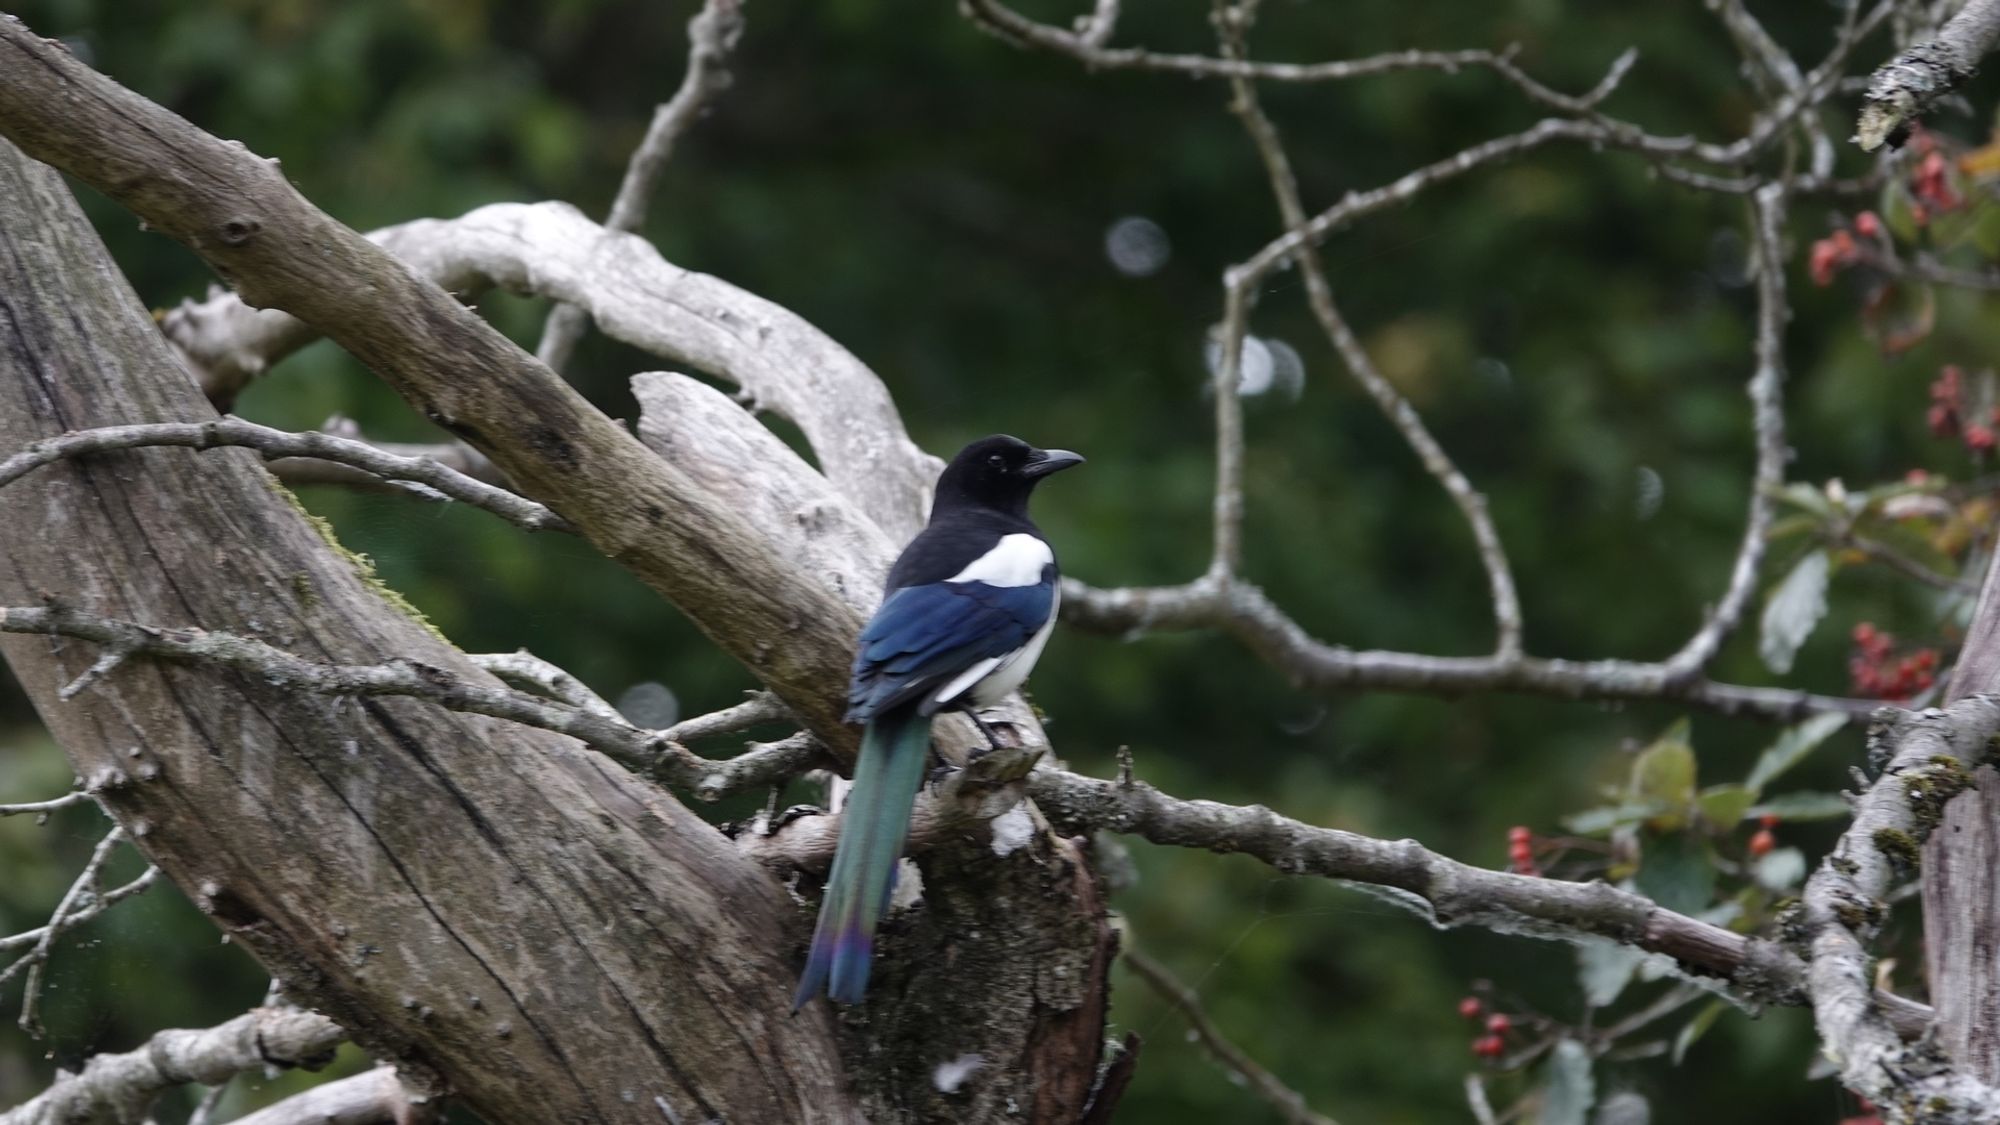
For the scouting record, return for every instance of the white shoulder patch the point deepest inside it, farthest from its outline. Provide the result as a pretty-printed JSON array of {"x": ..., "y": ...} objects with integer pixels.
[{"x": 1017, "y": 560}]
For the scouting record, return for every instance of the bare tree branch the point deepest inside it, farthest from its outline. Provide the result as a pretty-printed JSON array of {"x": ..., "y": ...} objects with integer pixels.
[
  {"x": 1767, "y": 415},
  {"x": 374, "y": 1097},
  {"x": 1231, "y": 24},
  {"x": 41, "y": 809},
  {"x": 645, "y": 752},
  {"x": 428, "y": 478},
  {"x": 524, "y": 669},
  {"x": 761, "y": 707},
  {"x": 82, "y": 893},
  {"x": 83, "y": 912},
  {"x": 1246, "y": 613},
  {"x": 1455, "y": 893},
  {"x": 1289, "y": 1103},
  {"x": 121, "y": 1087},
  {"x": 1930, "y": 756},
  {"x": 1447, "y": 892},
  {"x": 1909, "y": 84},
  {"x": 779, "y": 361},
  {"x": 451, "y": 454},
  {"x": 712, "y": 35}
]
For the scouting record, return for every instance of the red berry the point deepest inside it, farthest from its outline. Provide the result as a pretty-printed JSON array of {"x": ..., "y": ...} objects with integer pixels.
[
  {"x": 1916, "y": 476},
  {"x": 1499, "y": 1024},
  {"x": 1979, "y": 438},
  {"x": 1942, "y": 420},
  {"x": 1768, "y": 820},
  {"x": 1926, "y": 658},
  {"x": 1824, "y": 262},
  {"x": 1864, "y": 632},
  {"x": 1518, "y": 833},
  {"x": 1489, "y": 1047},
  {"x": 1470, "y": 1008},
  {"x": 1762, "y": 843},
  {"x": 1867, "y": 225}
]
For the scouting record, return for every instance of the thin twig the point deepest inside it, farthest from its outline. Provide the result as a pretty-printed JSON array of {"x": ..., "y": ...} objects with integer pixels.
[
  {"x": 79, "y": 895},
  {"x": 1767, "y": 412},
  {"x": 44, "y": 808},
  {"x": 712, "y": 34},
  {"x": 425, "y": 478},
  {"x": 1289, "y": 1103},
  {"x": 98, "y": 905},
  {"x": 1284, "y": 185}
]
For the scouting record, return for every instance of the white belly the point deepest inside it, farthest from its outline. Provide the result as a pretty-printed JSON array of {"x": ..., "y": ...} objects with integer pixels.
[{"x": 990, "y": 681}]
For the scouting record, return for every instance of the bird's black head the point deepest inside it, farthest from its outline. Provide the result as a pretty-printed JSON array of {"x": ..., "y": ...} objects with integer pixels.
[{"x": 998, "y": 472}]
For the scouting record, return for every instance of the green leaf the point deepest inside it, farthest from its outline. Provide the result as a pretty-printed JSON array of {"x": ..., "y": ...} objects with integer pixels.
[
  {"x": 1724, "y": 805},
  {"x": 1781, "y": 870},
  {"x": 1592, "y": 821},
  {"x": 1604, "y": 967},
  {"x": 1676, "y": 872},
  {"x": 1792, "y": 610},
  {"x": 1568, "y": 1091},
  {"x": 1791, "y": 748},
  {"x": 1804, "y": 805},
  {"x": 1664, "y": 772},
  {"x": 1697, "y": 1027}
]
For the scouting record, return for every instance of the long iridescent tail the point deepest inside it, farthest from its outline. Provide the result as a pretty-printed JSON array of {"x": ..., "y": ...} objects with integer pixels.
[{"x": 873, "y": 828}]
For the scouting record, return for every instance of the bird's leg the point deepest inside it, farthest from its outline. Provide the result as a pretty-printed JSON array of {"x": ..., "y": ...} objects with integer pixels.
[{"x": 985, "y": 728}]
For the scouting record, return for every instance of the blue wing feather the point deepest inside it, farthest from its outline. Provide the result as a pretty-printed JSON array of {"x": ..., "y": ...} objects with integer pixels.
[{"x": 925, "y": 635}]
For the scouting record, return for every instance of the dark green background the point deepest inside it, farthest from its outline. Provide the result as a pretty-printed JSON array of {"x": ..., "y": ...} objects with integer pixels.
[{"x": 937, "y": 201}]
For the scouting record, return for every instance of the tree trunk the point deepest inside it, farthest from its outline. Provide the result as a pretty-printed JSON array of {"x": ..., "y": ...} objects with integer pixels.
[
  {"x": 1962, "y": 876},
  {"x": 555, "y": 939}
]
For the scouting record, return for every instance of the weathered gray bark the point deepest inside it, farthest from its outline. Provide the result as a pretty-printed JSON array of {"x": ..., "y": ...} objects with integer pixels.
[
  {"x": 552, "y": 937},
  {"x": 1010, "y": 964},
  {"x": 1962, "y": 876}
]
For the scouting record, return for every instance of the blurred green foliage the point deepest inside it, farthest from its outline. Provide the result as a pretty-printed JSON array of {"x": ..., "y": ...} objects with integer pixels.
[{"x": 1576, "y": 332}]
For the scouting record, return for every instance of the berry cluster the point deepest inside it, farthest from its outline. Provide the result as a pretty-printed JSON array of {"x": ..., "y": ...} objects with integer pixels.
[
  {"x": 1877, "y": 672},
  {"x": 1521, "y": 850},
  {"x": 1930, "y": 182},
  {"x": 1764, "y": 840},
  {"x": 1952, "y": 414},
  {"x": 1836, "y": 252},
  {"x": 1493, "y": 1044}
]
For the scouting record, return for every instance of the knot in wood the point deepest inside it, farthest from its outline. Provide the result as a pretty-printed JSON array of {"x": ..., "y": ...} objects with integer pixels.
[{"x": 237, "y": 231}]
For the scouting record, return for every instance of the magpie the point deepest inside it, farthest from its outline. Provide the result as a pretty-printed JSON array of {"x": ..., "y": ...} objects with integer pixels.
[{"x": 965, "y": 613}]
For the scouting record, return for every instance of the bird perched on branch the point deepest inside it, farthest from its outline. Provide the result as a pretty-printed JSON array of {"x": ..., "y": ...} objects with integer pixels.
[{"x": 968, "y": 606}]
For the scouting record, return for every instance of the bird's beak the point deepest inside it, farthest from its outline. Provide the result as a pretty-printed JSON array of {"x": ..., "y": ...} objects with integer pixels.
[{"x": 1048, "y": 461}]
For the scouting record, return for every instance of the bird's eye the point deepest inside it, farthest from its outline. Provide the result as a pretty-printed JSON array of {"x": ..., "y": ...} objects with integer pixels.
[{"x": 997, "y": 462}]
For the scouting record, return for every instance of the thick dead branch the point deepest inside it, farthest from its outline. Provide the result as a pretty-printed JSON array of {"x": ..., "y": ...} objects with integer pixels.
[
  {"x": 477, "y": 900},
  {"x": 1930, "y": 758},
  {"x": 122, "y": 1087},
  {"x": 780, "y": 362},
  {"x": 375, "y": 1097},
  {"x": 1909, "y": 84},
  {"x": 243, "y": 216},
  {"x": 712, "y": 35}
]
